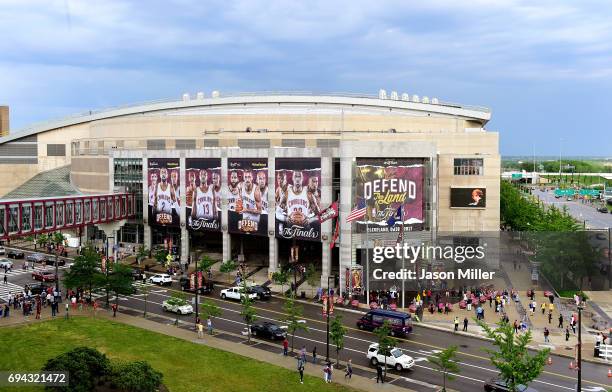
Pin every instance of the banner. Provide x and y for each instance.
(247, 196)
(475, 197)
(203, 193)
(164, 191)
(329, 213)
(298, 198)
(384, 185)
(354, 277)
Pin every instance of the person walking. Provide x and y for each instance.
(285, 346)
(349, 369)
(465, 324)
(114, 308)
(5, 278)
(515, 326)
(326, 373)
(560, 321)
(543, 308)
(300, 368)
(331, 371)
(379, 374)
(303, 353)
(546, 333)
(456, 324)
(549, 317)
(567, 334)
(200, 328)
(209, 325)
(314, 354)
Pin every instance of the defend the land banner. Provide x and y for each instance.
(298, 198)
(385, 184)
(247, 196)
(164, 191)
(203, 193)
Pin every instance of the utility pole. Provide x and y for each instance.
(329, 298)
(579, 385)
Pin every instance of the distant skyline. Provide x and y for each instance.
(544, 68)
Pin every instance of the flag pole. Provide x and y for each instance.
(367, 261)
(403, 260)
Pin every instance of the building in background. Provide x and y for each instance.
(4, 120)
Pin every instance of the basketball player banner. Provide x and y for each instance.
(247, 196)
(385, 184)
(298, 198)
(354, 280)
(203, 193)
(164, 191)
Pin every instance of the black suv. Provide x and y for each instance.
(137, 274)
(207, 286)
(261, 291)
(15, 254)
(38, 288)
(51, 261)
(268, 330)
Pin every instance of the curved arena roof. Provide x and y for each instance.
(266, 103)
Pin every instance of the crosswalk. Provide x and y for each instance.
(29, 271)
(153, 288)
(7, 288)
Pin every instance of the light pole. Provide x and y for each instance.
(579, 386)
(327, 320)
(106, 268)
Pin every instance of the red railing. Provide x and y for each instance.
(22, 217)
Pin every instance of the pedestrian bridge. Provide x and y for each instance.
(24, 217)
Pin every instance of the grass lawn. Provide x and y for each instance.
(186, 366)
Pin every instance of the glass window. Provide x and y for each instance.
(468, 166)
(87, 210)
(94, 208)
(123, 201)
(2, 215)
(49, 214)
(26, 217)
(110, 208)
(102, 209)
(78, 211)
(38, 216)
(117, 207)
(13, 218)
(59, 213)
(69, 213)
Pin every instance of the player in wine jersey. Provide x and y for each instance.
(164, 193)
(314, 195)
(190, 188)
(216, 184)
(174, 174)
(251, 198)
(152, 189)
(234, 187)
(281, 187)
(204, 199)
(263, 190)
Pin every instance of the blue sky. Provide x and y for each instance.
(543, 67)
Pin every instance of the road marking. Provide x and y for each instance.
(419, 382)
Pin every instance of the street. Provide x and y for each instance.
(474, 363)
(583, 213)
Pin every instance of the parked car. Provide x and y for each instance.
(570, 198)
(206, 288)
(497, 384)
(37, 258)
(43, 276)
(401, 323)
(15, 254)
(137, 274)
(182, 309)
(603, 210)
(38, 288)
(161, 279)
(261, 291)
(2, 250)
(236, 293)
(396, 358)
(60, 262)
(268, 330)
(6, 263)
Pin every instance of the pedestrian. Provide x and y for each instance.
(95, 307)
(465, 324)
(303, 353)
(456, 324)
(349, 369)
(209, 325)
(114, 308)
(567, 335)
(379, 374)
(5, 278)
(285, 346)
(300, 368)
(330, 366)
(200, 328)
(560, 321)
(543, 308)
(546, 333)
(549, 317)
(326, 373)
(314, 354)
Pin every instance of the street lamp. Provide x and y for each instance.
(327, 319)
(579, 386)
(106, 268)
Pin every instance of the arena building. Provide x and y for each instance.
(246, 176)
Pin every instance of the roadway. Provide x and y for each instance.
(474, 363)
(581, 212)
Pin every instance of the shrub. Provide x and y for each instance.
(85, 365)
(136, 376)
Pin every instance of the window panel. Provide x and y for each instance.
(38, 216)
(26, 218)
(13, 218)
(468, 166)
(69, 213)
(49, 213)
(59, 213)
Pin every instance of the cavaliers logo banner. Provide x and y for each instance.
(164, 191)
(203, 193)
(384, 185)
(298, 198)
(247, 196)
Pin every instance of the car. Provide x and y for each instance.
(43, 276)
(161, 279)
(15, 254)
(182, 309)
(401, 323)
(137, 274)
(6, 263)
(2, 250)
(570, 198)
(261, 291)
(38, 288)
(60, 262)
(37, 258)
(206, 288)
(268, 330)
(396, 358)
(236, 293)
(497, 384)
(603, 210)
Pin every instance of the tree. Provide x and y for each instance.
(446, 361)
(311, 278)
(248, 312)
(280, 277)
(85, 366)
(142, 253)
(178, 298)
(512, 358)
(385, 342)
(119, 280)
(85, 271)
(43, 240)
(228, 267)
(30, 238)
(337, 331)
(293, 317)
(210, 309)
(205, 263)
(160, 256)
(137, 376)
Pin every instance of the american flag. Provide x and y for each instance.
(358, 212)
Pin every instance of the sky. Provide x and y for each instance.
(544, 68)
